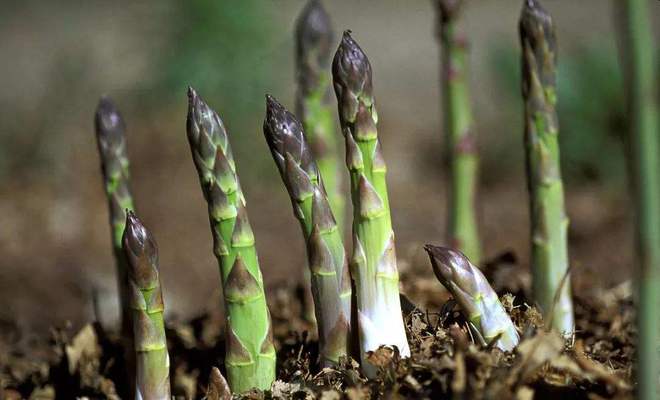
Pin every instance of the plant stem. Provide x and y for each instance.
(549, 223)
(460, 136)
(640, 68)
(474, 295)
(314, 37)
(111, 140)
(146, 302)
(330, 280)
(373, 263)
(250, 356)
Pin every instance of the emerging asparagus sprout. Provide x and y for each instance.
(111, 141)
(641, 73)
(373, 263)
(549, 224)
(250, 357)
(152, 376)
(459, 130)
(331, 284)
(476, 298)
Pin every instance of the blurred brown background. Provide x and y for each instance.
(59, 57)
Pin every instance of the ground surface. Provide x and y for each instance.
(595, 364)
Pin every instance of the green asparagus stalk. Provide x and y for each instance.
(330, 280)
(373, 263)
(111, 140)
(459, 130)
(314, 39)
(250, 357)
(146, 303)
(549, 223)
(474, 295)
(110, 136)
(640, 68)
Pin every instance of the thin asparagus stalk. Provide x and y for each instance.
(549, 223)
(477, 299)
(218, 388)
(314, 37)
(146, 303)
(331, 284)
(373, 263)
(110, 135)
(111, 140)
(459, 130)
(250, 357)
(639, 65)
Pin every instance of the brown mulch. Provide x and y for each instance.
(595, 364)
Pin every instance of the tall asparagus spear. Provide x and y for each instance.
(460, 136)
(549, 221)
(110, 131)
(474, 295)
(331, 284)
(250, 357)
(110, 136)
(314, 39)
(640, 68)
(146, 303)
(373, 263)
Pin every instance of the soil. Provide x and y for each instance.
(596, 363)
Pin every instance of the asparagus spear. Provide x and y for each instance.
(110, 131)
(146, 303)
(110, 136)
(460, 137)
(331, 285)
(373, 263)
(474, 295)
(314, 39)
(549, 222)
(639, 66)
(250, 357)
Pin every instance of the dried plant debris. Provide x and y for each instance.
(446, 361)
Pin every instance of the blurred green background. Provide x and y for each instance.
(59, 57)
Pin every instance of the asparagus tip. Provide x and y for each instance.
(535, 16)
(108, 120)
(279, 122)
(449, 9)
(445, 261)
(351, 66)
(313, 23)
(138, 244)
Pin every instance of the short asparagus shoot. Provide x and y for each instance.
(460, 137)
(250, 355)
(474, 295)
(328, 264)
(549, 223)
(373, 262)
(152, 375)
